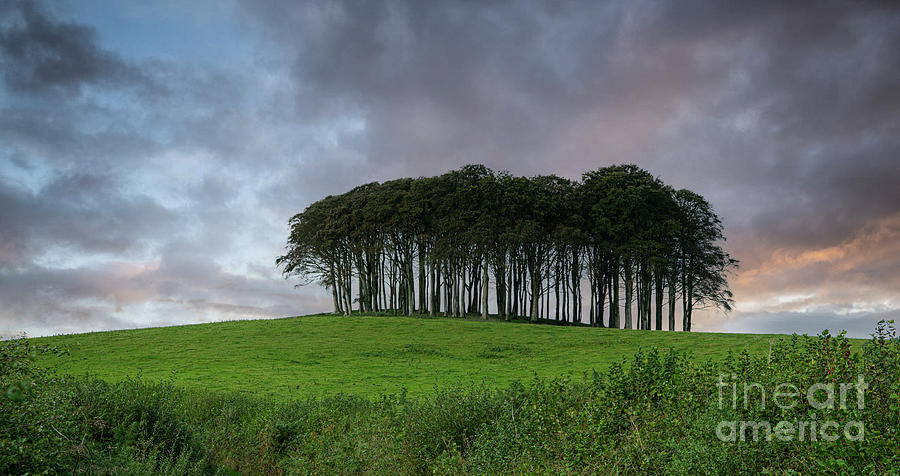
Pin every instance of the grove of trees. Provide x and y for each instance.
(617, 249)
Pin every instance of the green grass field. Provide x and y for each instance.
(366, 355)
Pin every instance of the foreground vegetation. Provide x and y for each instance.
(366, 355)
(655, 412)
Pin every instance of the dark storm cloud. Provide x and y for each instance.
(161, 186)
(793, 99)
(38, 52)
(118, 196)
(784, 114)
(83, 213)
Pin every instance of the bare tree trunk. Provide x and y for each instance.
(457, 291)
(348, 290)
(484, 289)
(598, 313)
(671, 303)
(614, 295)
(687, 298)
(411, 287)
(334, 299)
(636, 297)
(393, 286)
(500, 295)
(576, 288)
(629, 283)
(591, 317)
(688, 307)
(433, 292)
(659, 300)
(423, 307)
(546, 300)
(514, 289)
(556, 288)
(535, 294)
(507, 299)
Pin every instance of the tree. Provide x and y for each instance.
(431, 245)
(703, 263)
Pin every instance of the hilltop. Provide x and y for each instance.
(369, 355)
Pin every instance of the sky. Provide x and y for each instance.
(151, 153)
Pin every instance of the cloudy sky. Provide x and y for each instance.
(151, 153)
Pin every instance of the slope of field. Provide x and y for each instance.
(365, 355)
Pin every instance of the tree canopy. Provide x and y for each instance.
(619, 238)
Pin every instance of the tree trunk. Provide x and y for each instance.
(484, 289)
(629, 282)
(556, 288)
(659, 300)
(672, 302)
(535, 293)
(432, 294)
(686, 298)
(598, 313)
(614, 295)
(423, 307)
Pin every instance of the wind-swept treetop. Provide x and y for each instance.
(432, 244)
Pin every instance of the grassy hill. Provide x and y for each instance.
(368, 355)
(659, 413)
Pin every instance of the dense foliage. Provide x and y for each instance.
(655, 413)
(432, 245)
